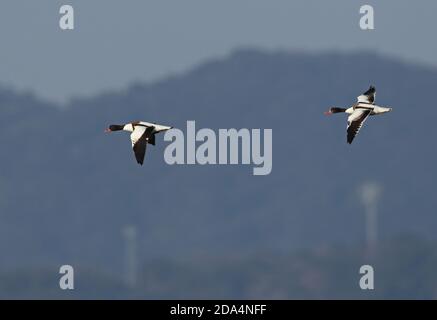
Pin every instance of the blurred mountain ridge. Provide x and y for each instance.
(67, 189)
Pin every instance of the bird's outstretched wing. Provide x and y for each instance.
(139, 138)
(368, 96)
(151, 139)
(354, 123)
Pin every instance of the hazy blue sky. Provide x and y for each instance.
(117, 42)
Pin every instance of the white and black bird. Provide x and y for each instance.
(359, 112)
(142, 133)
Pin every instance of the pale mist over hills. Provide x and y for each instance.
(67, 189)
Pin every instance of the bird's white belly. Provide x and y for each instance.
(379, 110)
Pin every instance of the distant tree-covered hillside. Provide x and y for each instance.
(67, 189)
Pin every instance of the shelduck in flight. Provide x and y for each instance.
(142, 133)
(359, 112)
